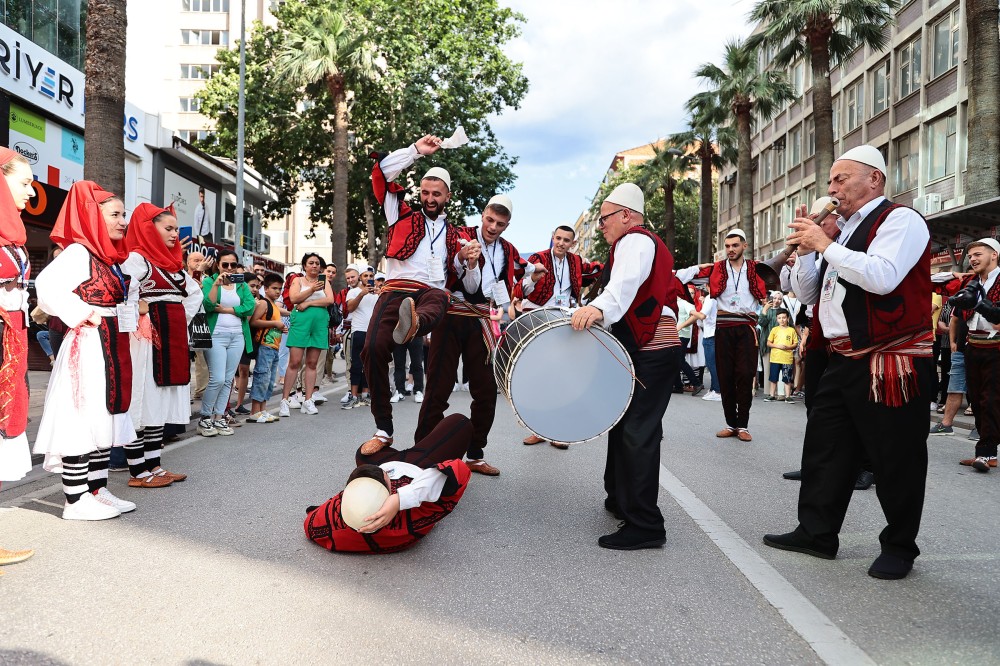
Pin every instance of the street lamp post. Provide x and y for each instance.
(241, 122)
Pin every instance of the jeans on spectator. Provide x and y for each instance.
(283, 352)
(265, 372)
(709, 345)
(222, 359)
(43, 340)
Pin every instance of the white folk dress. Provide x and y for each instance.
(15, 454)
(76, 420)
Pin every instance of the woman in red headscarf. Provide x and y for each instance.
(90, 389)
(161, 368)
(15, 458)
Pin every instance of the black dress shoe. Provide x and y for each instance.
(632, 538)
(797, 543)
(793, 476)
(890, 567)
(612, 507)
(865, 480)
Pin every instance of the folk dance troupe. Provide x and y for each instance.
(122, 372)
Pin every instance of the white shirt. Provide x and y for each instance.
(495, 260)
(562, 287)
(633, 263)
(362, 315)
(426, 484)
(434, 244)
(895, 250)
(202, 223)
(684, 310)
(230, 323)
(709, 309)
(977, 322)
(736, 297)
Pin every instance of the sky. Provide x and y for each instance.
(603, 77)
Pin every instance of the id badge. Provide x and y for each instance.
(829, 284)
(500, 294)
(734, 301)
(435, 269)
(562, 301)
(128, 317)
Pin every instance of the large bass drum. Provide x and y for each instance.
(564, 386)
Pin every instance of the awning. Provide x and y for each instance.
(954, 228)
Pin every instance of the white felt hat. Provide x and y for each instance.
(819, 205)
(440, 174)
(361, 498)
(736, 232)
(353, 267)
(628, 195)
(866, 155)
(988, 242)
(501, 200)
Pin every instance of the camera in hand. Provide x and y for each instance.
(967, 297)
(237, 277)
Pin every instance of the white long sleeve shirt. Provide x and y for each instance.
(977, 322)
(736, 297)
(895, 250)
(633, 262)
(426, 484)
(485, 276)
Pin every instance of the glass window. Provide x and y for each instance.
(205, 5)
(880, 88)
(855, 105)
(794, 146)
(904, 172)
(836, 120)
(764, 229)
(779, 160)
(777, 220)
(909, 68)
(946, 34)
(797, 77)
(810, 136)
(58, 26)
(190, 104)
(765, 163)
(941, 143)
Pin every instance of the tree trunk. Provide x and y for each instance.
(819, 56)
(338, 233)
(707, 192)
(983, 175)
(669, 219)
(374, 249)
(744, 175)
(104, 95)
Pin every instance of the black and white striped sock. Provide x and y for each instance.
(135, 456)
(97, 475)
(74, 477)
(153, 438)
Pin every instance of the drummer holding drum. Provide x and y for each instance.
(638, 304)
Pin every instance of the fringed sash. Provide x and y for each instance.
(894, 378)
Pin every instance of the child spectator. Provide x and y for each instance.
(782, 341)
(267, 327)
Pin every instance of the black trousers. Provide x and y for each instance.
(736, 359)
(459, 337)
(843, 427)
(447, 441)
(981, 367)
(632, 473)
(415, 347)
(945, 369)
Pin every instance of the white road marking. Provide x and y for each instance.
(831, 644)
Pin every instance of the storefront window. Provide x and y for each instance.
(58, 26)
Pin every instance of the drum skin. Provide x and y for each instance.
(564, 385)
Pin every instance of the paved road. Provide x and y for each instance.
(216, 570)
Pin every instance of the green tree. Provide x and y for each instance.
(668, 170)
(825, 32)
(983, 179)
(714, 142)
(749, 93)
(104, 94)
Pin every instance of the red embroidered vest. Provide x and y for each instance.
(718, 278)
(510, 274)
(581, 273)
(639, 323)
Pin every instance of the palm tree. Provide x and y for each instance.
(748, 93)
(104, 94)
(825, 32)
(330, 48)
(981, 17)
(714, 142)
(667, 170)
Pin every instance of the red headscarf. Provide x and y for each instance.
(144, 238)
(11, 227)
(80, 221)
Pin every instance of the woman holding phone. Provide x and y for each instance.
(308, 330)
(228, 306)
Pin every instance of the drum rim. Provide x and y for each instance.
(516, 353)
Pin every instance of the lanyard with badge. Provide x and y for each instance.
(831, 276)
(435, 267)
(562, 299)
(734, 300)
(499, 293)
(127, 313)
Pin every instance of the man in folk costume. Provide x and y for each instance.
(393, 499)
(558, 286)
(422, 248)
(639, 304)
(466, 332)
(978, 305)
(738, 289)
(871, 315)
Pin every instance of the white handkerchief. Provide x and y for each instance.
(457, 139)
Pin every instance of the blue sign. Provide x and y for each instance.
(72, 146)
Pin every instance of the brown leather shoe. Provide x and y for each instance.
(409, 322)
(560, 445)
(14, 556)
(151, 481)
(726, 432)
(533, 439)
(483, 467)
(375, 444)
(968, 462)
(173, 476)
(744, 436)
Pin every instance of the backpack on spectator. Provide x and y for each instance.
(286, 297)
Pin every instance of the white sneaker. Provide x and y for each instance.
(458, 387)
(318, 398)
(713, 396)
(934, 406)
(397, 397)
(104, 496)
(293, 401)
(346, 399)
(418, 396)
(206, 428)
(465, 386)
(222, 428)
(283, 410)
(89, 508)
(309, 407)
(351, 401)
(260, 417)
(408, 386)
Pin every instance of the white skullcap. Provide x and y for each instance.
(987, 242)
(440, 174)
(628, 195)
(819, 205)
(380, 276)
(501, 200)
(361, 498)
(736, 232)
(866, 155)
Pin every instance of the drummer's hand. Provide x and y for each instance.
(540, 270)
(383, 516)
(586, 317)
